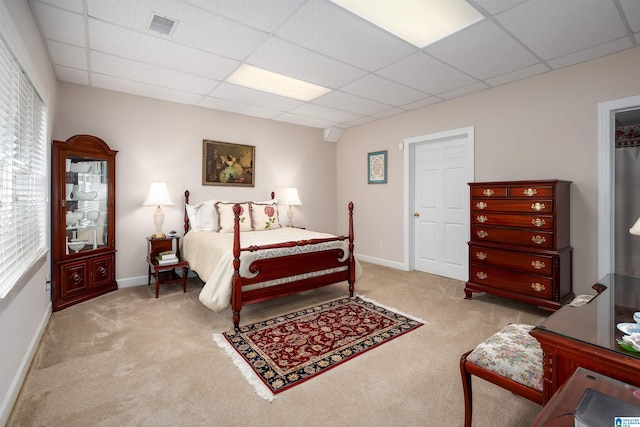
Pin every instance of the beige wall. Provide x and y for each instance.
(543, 127)
(162, 141)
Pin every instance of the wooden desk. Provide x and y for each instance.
(559, 411)
(585, 336)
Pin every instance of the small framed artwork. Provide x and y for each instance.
(377, 167)
(224, 163)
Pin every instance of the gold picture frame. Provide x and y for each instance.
(225, 163)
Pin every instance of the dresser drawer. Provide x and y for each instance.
(531, 191)
(535, 238)
(489, 191)
(543, 222)
(531, 262)
(513, 205)
(524, 283)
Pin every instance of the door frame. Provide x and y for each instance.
(409, 182)
(606, 181)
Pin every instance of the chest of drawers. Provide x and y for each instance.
(519, 247)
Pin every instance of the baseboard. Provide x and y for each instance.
(382, 262)
(12, 394)
(142, 280)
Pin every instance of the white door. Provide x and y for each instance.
(441, 206)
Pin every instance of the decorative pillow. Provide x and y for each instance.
(203, 216)
(225, 216)
(264, 216)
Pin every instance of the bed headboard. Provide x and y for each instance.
(187, 226)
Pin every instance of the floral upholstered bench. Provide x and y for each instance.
(511, 359)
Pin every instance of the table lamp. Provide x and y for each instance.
(158, 196)
(635, 230)
(290, 197)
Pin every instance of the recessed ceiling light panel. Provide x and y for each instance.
(278, 84)
(419, 22)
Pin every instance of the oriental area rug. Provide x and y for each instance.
(277, 354)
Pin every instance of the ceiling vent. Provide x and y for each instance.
(162, 24)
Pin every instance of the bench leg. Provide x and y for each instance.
(466, 389)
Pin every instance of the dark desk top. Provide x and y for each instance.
(617, 298)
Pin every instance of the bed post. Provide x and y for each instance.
(186, 217)
(352, 260)
(236, 282)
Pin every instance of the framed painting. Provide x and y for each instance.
(377, 167)
(224, 163)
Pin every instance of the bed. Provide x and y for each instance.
(245, 256)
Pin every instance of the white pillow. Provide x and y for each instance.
(225, 216)
(203, 216)
(264, 216)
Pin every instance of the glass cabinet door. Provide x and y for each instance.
(86, 199)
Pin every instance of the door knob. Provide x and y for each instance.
(416, 214)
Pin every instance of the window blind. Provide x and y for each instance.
(23, 172)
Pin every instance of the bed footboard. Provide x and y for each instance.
(289, 266)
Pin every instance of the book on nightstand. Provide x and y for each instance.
(166, 257)
(597, 409)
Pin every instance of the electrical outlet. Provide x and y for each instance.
(380, 247)
(47, 285)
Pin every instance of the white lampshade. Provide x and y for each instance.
(635, 230)
(158, 196)
(290, 197)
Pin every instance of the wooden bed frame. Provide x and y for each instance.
(285, 266)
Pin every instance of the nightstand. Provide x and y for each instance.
(165, 273)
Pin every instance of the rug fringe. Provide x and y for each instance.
(246, 370)
(373, 301)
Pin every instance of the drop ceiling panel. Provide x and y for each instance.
(483, 51)
(251, 96)
(462, 91)
(320, 112)
(61, 25)
(328, 29)
(594, 52)
(68, 55)
(237, 107)
(286, 58)
(420, 71)
(305, 121)
(141, 89)
(264, 15)
(194, 27)
(496, 6)
(382, 90)
(72, 75)
(348, 102)
(573, 25)
(71, 5)
(103, 63)
(631, 9)
(157, 51)
(525, 73)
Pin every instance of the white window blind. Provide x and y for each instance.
(23, 172)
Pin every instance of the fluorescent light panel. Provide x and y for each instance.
(278, 84)
(420, 22)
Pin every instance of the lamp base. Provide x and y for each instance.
(158, 236)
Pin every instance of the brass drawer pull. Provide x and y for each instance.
(481, 255)
(538, 265)
(102, 271)
(538, 287)
(76, 277)
(488, 192)
(481, 219)
(538, 222)
(481, 275)
(538, 240)
(482, 234)
(481, 205)
(537, 206)
(530, 192)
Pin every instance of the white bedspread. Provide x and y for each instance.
(210, 254)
